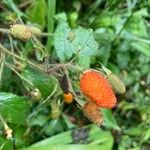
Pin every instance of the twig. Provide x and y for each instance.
(18, 57)
(11, 45)
(62, 66)
(8, 131)
(2, 65)
(4, 31)
(22, 77)
(26, 3)
(46, 34)
(34, 65)
(58, 67)
(80, 102)
(54, 90)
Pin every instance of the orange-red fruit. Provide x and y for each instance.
(91, 111)
(94, 86)
(68, 98)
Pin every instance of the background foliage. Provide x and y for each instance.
(121, 29)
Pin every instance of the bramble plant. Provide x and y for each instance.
(41, 82)
(62, 71)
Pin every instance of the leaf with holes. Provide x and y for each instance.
(84, 43)
(78, 41)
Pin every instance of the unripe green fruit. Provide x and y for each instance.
(36, 94)
(55, 111)
(35, 31)
(117, 85)
(21, 32)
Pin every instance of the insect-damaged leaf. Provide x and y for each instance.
(78, 41)
(84, 43)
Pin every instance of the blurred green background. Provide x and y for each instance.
(122, 30)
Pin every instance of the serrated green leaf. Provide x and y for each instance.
(13, 108)
(84, 43)
(47, 84)
(78, 41)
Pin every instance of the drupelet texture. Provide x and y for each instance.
(95, 87)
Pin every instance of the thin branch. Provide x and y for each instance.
(46, 34)
(63, 66)
(79, 101)
(26, 3)
(22, 77)
(2, 65)
(11, 45)
(54, 90)
(18, 57)
(8, 131)
(4, 31)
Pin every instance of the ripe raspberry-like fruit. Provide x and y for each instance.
(91, 111)
(68, 98)
(95, 87)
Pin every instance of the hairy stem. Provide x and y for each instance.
(80, 102)
(2, 65)
(16, 72)
(18, 57)
(4, 31)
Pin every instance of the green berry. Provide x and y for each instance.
(36, 31)
(21, 32)
(117, 85)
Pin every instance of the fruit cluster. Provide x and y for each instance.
(98, 89)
